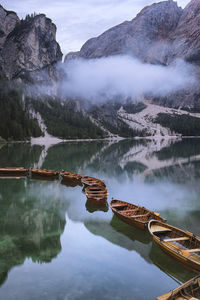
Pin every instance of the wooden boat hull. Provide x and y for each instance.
(96, 194)
(174, 248)
(90, 181)
(128, 221)
(178, 257)
(190, 289)
(133, 219)
(71, 177)
(44, 173)
(13, 172)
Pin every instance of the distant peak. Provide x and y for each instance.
(162, 6)
(193, 3)
(8, 12)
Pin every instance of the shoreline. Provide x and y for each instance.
(54, 140)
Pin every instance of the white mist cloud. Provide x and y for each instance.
(123, 76)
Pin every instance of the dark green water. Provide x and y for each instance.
(56, 245)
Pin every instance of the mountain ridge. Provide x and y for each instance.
(159, 34)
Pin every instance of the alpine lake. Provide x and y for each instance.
(54, 244)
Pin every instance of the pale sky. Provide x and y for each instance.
(79, 20)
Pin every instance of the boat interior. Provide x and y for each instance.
(185, 244)
(96, 189)
(137, 212)
(191, 291)
(91, 180)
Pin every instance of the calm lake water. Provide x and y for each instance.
(55, 245)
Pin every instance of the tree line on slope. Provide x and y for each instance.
(62, 121)
(16, 123)
(184, 124)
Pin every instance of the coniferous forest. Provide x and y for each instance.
(62, 121)
(183, 124)
(16, 123)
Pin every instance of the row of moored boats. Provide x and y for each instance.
(181, 245)
(94, 188)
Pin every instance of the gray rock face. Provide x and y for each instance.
(160, 34)
(31, 46)
(139, 37)
(8, 21)
(185, 40)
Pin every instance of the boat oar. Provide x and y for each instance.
(185, 253)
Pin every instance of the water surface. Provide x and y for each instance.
(55, 245)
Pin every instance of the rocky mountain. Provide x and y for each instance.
(27, 45)
(159, 34)
(140, 37)
(8, 21)
(185, 39)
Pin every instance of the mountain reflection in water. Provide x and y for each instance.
(161, 175)
(30, 225)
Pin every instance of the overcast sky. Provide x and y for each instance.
(79, 20)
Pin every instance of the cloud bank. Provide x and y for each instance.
(123, 77)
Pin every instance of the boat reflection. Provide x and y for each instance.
(123, 235)
(168, 265)
(90, 207)
(70, 183)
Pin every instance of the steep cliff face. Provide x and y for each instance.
(8, 21)
(185, 40)
(139, 37)
(160, 33)
(31, 46)
(28, 51)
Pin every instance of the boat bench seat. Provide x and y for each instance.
(130, 210)
(183, 238)
(96, 193)
(157, 228)
(143, 215)
(193, 250)
(118, 205)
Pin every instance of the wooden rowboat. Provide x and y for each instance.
(132, 214)
(69, 176)
(44, 173)
(13, 171)
(97, 194)
(90, 181)
(189, 290)
(180, 244)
